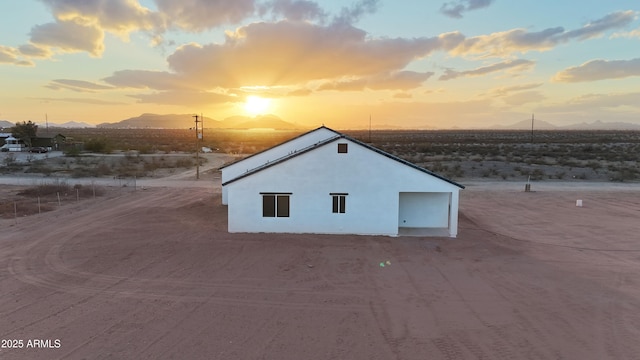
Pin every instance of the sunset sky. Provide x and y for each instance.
(438, 63)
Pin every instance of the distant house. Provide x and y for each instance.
(327, 182)
(3, 137)
(50, 141)
(12, 144)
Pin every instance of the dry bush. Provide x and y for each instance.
(62, 188)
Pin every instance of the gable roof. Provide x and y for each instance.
(331, 140)
(280, 144)
(50, 136)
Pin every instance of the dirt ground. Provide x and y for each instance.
(153, 274)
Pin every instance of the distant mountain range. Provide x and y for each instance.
(185, 121)
(6, 124)
(543, 125)
(70, 124)
(182, 121)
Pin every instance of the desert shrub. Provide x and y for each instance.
(145, 149)
(437, 167)
(11, 164)
(47, 189)
(152, 165)
(39, 167)
(595, 165)
(99, 145)
(10, 160)
(88, 191)
(80, 172)
(455, 171)
(185, 163)
(72, 152)
(625, 175)
(102, 169)
(537, 174)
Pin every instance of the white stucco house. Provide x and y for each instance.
(13, 144)
(329, 183)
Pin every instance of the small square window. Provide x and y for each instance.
(342, 148)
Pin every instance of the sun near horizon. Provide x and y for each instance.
(472, 64)
(257, 105)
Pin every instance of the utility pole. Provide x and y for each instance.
(532, 128)
(197, 149)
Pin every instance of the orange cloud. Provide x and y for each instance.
(118, 16)
(149, 79)
(506, 90)
(291, 53)
(8, 55)
(199, 15)
(591, 102)
(186, 98)
(76, 85)
(504, 43)
(35, 51)
(69, 36)
(595, 70)
(509, 65)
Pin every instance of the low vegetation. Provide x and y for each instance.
(507, 155)
(457, 154)
(17, 202)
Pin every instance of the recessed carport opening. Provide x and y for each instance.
(424, 214)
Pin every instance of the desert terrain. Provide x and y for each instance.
(151, 272)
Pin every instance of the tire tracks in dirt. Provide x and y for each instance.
(47, 253)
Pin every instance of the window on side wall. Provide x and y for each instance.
(339, 202)
(275, 204)
(343, 148)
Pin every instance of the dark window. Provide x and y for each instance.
(282, 205)
(275, 205)
(268, 206)
(342, 148)
(339, 203)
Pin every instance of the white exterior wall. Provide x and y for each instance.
(277, 152)
(373, 183)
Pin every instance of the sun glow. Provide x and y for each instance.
(256, 105)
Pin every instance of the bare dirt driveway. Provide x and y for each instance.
(154, 274)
